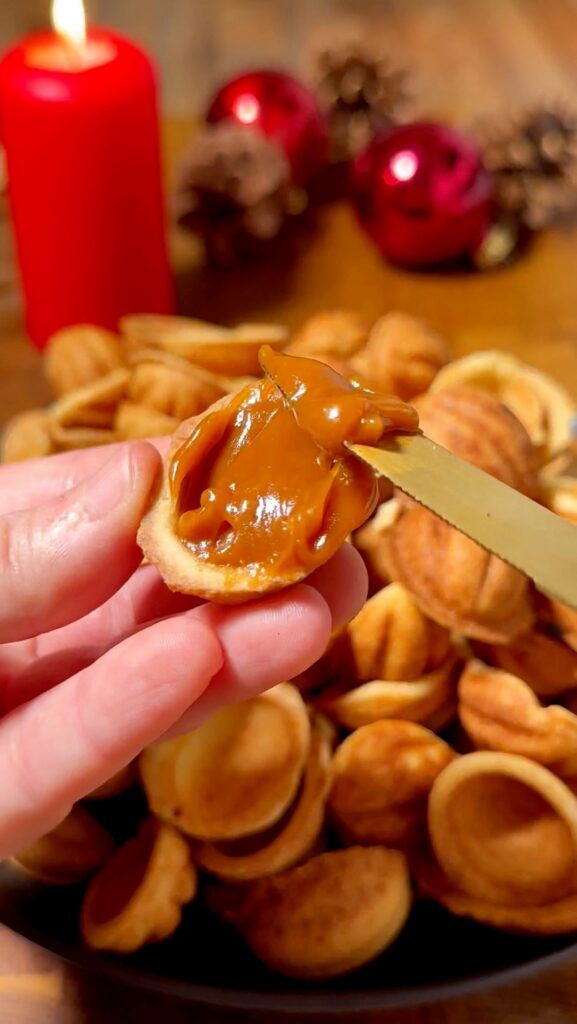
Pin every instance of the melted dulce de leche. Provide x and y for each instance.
(265, 482)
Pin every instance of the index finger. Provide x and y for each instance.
(31, 483)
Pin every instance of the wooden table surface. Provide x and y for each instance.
(499, 52)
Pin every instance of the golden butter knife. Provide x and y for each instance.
(505, 522)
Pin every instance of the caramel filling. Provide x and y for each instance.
(266, 483)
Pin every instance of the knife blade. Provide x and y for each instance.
(508, 524)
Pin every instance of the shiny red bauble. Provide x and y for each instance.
(282, 109)
(423, 195)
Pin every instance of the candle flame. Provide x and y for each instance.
(69, 20)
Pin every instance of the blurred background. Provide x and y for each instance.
(467, 62)
(467, 56)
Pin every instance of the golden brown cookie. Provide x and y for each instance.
(329, 916)
(564, 620)
(237, 774)
(504, 829)
(69, 853)
(382, 775)
(290, 840)
(138, 895)
(546, 663)
(553, 918)
(27, 436)
(337, 334)
(92, 405)
(540, 402)
(133, 421)
(371, 541)
(414, 701)
(175, 391)
(479, 428)
(500, 712)
(391, 639)
(456, 582)
(232, 351)
(402, 355)
(79, 355)
(66, 439)
(559, 493)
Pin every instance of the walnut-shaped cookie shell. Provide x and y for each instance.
(335, 334)
(328, 916)
(371, 541)
(235, 775)
(68, 439)
(456, 582)
(92, 405)
(477, 427)
(382, 775)
(554, 918)
(544, 662)
(559, 493)
(68, 854)
(564, 621)
(228, 350)
(539, 401)
(414, 701)
(290, 840)
(504, 829)
(500, 712)
(27, 436)
(390, 638)
(138, 895)
(133, 421)
(79, 355)
(402, 355)
(175, 391)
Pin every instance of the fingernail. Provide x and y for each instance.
(107, 488)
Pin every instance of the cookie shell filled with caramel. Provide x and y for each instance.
(261, 490)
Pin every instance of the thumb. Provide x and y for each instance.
(62, 559)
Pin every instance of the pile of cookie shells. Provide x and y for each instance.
(431, 753)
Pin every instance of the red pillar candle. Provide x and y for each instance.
(80, 129)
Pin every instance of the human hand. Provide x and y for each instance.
(97, 657)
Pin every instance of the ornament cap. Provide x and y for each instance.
(497, 246)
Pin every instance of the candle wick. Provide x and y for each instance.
(76, 54)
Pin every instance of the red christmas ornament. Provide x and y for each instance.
(284, 110)
(423, 195)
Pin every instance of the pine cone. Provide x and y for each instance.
(534, 160)
(234, 191)
(359, 92)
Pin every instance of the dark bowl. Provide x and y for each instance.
(436, 957)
